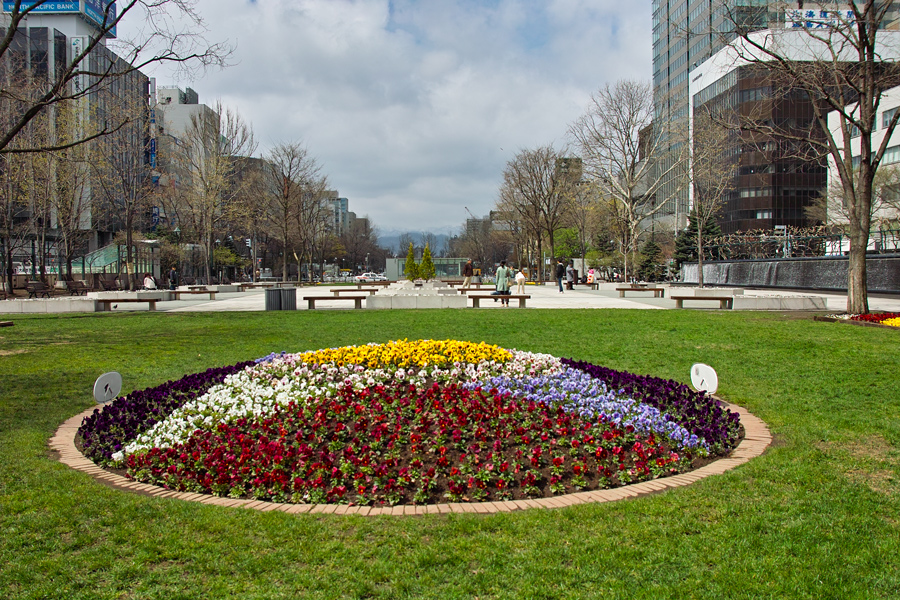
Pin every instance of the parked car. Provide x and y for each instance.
(364, 277)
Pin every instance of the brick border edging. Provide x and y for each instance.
(756, 438)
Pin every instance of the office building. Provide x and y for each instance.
(47, 40)
(695, 69)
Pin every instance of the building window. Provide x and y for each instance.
(886, 117)
(756, 192)
(764, 214)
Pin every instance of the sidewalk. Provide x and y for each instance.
(542, 296)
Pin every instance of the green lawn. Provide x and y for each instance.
(817, 516)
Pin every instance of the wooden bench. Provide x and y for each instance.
(177, 293)
(724, 301)
(106, 303)
(361, 284)
(477, 298)
(657, 292)
(352, 290)
(77, 287)
(311, 300)
(36, 289)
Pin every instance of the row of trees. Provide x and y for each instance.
(597, 195)
(631, 167)
(73, 157)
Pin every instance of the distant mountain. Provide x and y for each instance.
(391, 240)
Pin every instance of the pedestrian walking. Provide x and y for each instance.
(502, 280)
(560, 273)
(520, 282)
(570, 275)
(468, 271)
(173, 278)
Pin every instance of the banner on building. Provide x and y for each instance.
(817, 18)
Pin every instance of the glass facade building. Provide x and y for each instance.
(685, 34)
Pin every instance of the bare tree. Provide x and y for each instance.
(14, 211)
(211, 153)
(311, 222)
(290, 173)
(636, 163)
(359, 241)
(123, 177)
(172, 34)
(537, 188)
(843, 67)
(713, 171)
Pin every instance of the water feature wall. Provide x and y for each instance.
(823, 273)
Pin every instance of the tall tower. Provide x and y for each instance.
(686, 33)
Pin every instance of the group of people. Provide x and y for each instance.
(567, 271)
(505, 276)
(503, 280)
(150, 281)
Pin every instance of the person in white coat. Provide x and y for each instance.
(520, 282)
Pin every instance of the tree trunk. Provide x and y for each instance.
(540, 261)
(699, 255)
(129, 243)
(860, 223)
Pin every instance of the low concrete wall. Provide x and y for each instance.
(161, 295)
(823, 273)
(778, 303)
(48, 305)
(415, 301)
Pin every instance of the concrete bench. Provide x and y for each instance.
(657, 292)
(724, 301)
(311, 300)
(106, 303)
(352, 290)
(177, 293)
(477, 298)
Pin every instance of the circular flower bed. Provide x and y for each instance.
(408, 422)
(890, 319)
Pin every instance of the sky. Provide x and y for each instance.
(414, 107)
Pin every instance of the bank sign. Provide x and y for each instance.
(93, 10)
(817, 18)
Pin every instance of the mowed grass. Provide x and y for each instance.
(817, 516)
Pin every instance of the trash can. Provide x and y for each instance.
(289, 298)
(281, 299)
(273, 298)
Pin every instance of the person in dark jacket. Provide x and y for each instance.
(468, 271)
(560, 273)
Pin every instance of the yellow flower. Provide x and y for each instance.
(403, 353)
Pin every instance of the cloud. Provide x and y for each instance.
(413, 107)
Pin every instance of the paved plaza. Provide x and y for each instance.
(542, 296)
